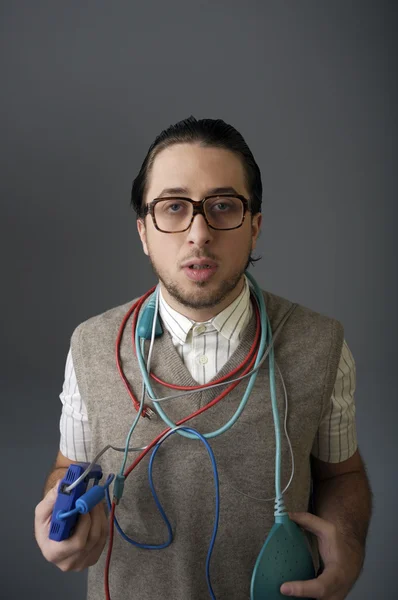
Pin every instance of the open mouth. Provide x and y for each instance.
(197, 267)
(200, 272)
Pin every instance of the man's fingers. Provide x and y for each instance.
(45, 508)
(98, 524)
(43, 512)
(58, 552)
(312, 523)
(78, 539)
(302, 589)
(322, 587)
(96, 539)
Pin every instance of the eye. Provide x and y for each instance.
(221, 205)
(173, 206)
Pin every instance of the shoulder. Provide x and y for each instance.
(106, 323)
(304, 322)
(277, 306)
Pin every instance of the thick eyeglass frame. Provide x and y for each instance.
(198, 209)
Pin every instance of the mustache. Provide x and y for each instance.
(199, 255)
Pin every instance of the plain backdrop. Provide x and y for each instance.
(85, 88)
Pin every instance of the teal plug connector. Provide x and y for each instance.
(146, 321)
(118, 488)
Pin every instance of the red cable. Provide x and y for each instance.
(137, 306)
(109, 553)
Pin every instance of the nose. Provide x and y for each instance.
(199, 234)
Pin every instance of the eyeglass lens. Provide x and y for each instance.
(175, 214)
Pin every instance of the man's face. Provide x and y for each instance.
(198, 170)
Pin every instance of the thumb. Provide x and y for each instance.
(323, 586)
(45, 507)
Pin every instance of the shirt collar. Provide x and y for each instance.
(228, 322)
(177, 324)
(232, 319)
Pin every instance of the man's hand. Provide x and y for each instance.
(85, 545)
(342, 559)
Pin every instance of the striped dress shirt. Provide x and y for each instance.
(205, 348)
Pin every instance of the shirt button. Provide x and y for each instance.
(200, 329)
(203, 360)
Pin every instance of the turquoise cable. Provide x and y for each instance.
(230, 423)
(280, 508)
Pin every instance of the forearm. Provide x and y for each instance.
(346, 501)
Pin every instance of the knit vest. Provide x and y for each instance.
(307, 352)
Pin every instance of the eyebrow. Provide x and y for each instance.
(210, 192)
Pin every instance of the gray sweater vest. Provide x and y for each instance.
(307, 351)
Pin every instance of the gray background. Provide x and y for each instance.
(85, 88)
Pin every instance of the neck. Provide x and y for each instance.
(199, 315)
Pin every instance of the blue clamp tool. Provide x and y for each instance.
(69, 504)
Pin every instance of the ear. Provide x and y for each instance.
(142, 233)
(256, 225)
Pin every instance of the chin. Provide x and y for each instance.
(199, 295)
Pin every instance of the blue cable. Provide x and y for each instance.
(64, 515)
(138, 544)
(163, 514)
(217, 490)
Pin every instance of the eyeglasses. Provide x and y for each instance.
(174, 215)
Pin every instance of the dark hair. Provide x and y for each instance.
(207, 132)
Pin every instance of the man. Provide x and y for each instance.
(198, 203)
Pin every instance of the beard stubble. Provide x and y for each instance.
(198, 301)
